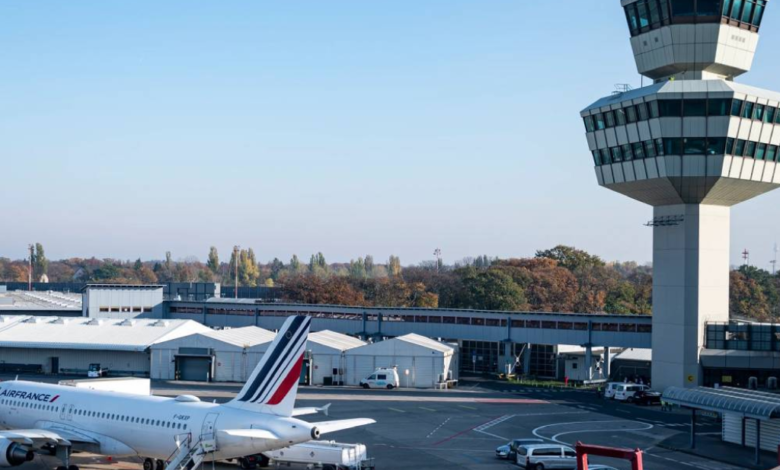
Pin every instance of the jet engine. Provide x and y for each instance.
(13, 454)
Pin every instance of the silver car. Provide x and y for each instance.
(546, 456)
(508, 450)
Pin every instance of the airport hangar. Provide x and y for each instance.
(479, 341)
(486, 341)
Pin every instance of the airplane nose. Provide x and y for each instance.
(315, 433)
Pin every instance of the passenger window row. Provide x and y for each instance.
(682, 108)
(30, 405)
(97, 414)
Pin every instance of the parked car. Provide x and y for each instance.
(646, 398)
(624, 392)
(385, 377)
(546, 456)
(508, 450)
(610, 388)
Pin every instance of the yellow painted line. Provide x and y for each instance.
(397, 410)
(467, 407)
(427, 409)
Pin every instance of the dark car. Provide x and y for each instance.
(646, 398)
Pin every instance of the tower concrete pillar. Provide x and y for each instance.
(605, 369)
(690, 287)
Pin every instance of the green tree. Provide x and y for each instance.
(491, 290)
(570, 258)
(369, 264)
(138, 265)
(357, 269)
(276, 268)
(295, 264)
(39, 261)
(394, 266)
(213, 260)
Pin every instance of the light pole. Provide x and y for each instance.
(437, 254)
(30, 268)
(236, 250)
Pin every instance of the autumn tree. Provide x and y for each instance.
(394, 266)
(213, 260)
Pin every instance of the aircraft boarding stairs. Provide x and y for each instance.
(188, 456)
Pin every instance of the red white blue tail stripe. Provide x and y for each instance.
(277, 374)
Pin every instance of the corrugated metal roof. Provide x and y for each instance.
(335, 340)
(634, 354)
(748, 403)
(94, 334)
(425, 342)
(247, 336)
(685, 86)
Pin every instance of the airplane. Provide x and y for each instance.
(180, 432)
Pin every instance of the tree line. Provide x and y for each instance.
(560, 279)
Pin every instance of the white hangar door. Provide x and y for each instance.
(425, 371)
(364, 366)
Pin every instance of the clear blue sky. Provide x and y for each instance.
(129, 128)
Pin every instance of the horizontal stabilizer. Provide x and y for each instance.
(251, 433)
(311, 410)
(326, 427)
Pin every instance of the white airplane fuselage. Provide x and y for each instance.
(147, 426)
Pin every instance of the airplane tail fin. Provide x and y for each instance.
(273, 385)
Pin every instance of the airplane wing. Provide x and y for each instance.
(311, 410)
(326, 427)
(40, 437)
(251, 433)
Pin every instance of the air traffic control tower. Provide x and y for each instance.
(692, 145)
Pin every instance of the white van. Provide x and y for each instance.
(384, 377)
(625, 392)
(610, 388)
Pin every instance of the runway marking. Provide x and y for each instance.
(483, 429)
(536, 432)
(427, 409)
(465, 431)
(397, 410)
(439, 427)
(468, 407)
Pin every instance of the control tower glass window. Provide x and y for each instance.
(683, 8)
(646, 15)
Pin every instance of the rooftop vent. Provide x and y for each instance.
(95, 322)
(160, 323)
(127, 322)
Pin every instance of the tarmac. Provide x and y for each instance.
(460, 428)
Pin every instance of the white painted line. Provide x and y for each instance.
(536, 432)
(439, 427)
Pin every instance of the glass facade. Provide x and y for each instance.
(682, 108)
(646, 15)
(665, 108)
(686, 146)
(743, 336)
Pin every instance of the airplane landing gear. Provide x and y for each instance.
(63, 453)
(149, 464)
(160, 465)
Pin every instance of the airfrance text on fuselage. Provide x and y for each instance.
(29, 395)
